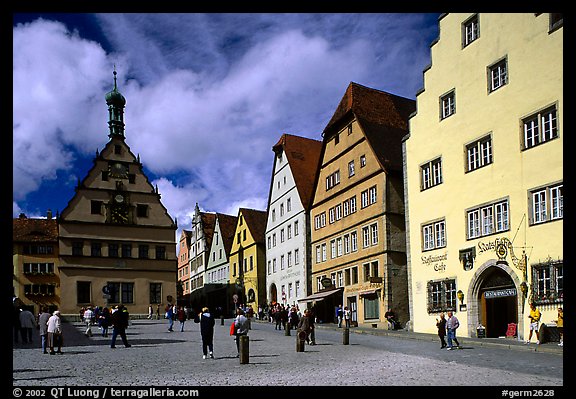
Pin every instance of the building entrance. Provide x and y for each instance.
(498, 300)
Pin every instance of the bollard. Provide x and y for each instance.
(300, 340)
(287, 330)
(244, 349)
(222, 320)
(346, 336)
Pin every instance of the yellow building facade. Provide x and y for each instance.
(248, 259)
(483, 167)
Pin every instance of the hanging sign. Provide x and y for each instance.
(500, 293)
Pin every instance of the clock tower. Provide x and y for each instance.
(115, 232)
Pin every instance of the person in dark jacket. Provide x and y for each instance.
(206, 321)
(441, 325)
(119, 321)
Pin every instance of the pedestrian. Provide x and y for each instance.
(104, 321)
(312, 327)
(534, 317)
(293, 317)
(27, 325)
(88, 315)
(391, 317)
(283, 316)
(452, 325)
(15, 323)
(206, 321)
(43, 328)
(119, 321)
(441, 325)
(158, 312)
(339, 315)
(240, 328)
(560, 326)
(347, 316)
(150, 312)
(170, 316)
(55, 337)
(181, 316)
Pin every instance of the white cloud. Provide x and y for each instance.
(208, 95)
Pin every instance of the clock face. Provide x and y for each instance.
(119, 215)
(118, 170)
(119, 198)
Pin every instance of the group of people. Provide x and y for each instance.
(343, 314)
(447, 327)
(49, 326)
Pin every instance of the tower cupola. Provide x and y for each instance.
(116, 103)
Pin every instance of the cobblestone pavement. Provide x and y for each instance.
(161, 358)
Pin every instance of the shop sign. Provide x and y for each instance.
(438, 262)
(500, 293)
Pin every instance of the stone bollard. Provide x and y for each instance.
(346, 336)
(222, 320)
(244, 349)
(287, 330)
(300, 340)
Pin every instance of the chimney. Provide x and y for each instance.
(49, 214)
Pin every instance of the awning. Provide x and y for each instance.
(368, 292)
(321, 295)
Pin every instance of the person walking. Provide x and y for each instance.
(88, 315)
(170, 316)
(441, 325)
(43, 328)
(150, 312)
(207, 322)
(104, 321)
(54, 329)
(347, 316)
(27, 325)
(181, 316)
(452, 325)
(534, 317)
(240, 328)
(339, 315)
(304, 324)
(158, 312)
(119, 321)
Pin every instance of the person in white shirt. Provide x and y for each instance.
(55, 332)
(88, 316)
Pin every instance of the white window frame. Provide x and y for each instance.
(479, 153)
(540, 127)
(470, 30)
(488, 219)
(431, 174)
(498, 75)
(448, 104)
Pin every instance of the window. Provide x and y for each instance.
(288, 205)
(318, 254)
(332, 249)
(281, 209)
(296, 256)
(296, 232)
(447, 105)
(339, 246)
(351, 169)
(366, 268)
(346, 244)
(126, 250)
(274, 265)
(540, 127)
(548, 284)
(131, 178)
(371, 306)
(155, 292)
(354, 276)
(113, 250)
(289, 231)
(320, 221)
(83, 289)
(118, 149)
(434, 235)
(347, 277)
(340, 278)
(470, 30)
(367, 197)
(161, 252)
(352, 204)
(104, 175)
(441, 295)
(498, 75)
(365, 237)
(77, 248)
(323, 252)
(338, 211)
(488, 219)
(479, 153)
(142, 210)
(297, 284)
(121, 292)
(431, 173)
(269, 267)
(354, 241)
(282, 236)
(362, 161)
(143, 251)
(96, 207)
(332, 180)
(96, 249)
(374, 233)
(349, 129)
(547, 204)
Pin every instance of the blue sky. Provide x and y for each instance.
(208, 95)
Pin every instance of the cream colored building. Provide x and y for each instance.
(357, 215)
(117, 242)
(483, 168)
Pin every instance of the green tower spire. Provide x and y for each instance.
(116, 103)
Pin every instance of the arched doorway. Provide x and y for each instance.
(273, 293)
(495, 290)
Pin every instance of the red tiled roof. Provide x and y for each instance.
(34, 230)
(256, 222)
(303, 156)
(382, 116)
(227, 225)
